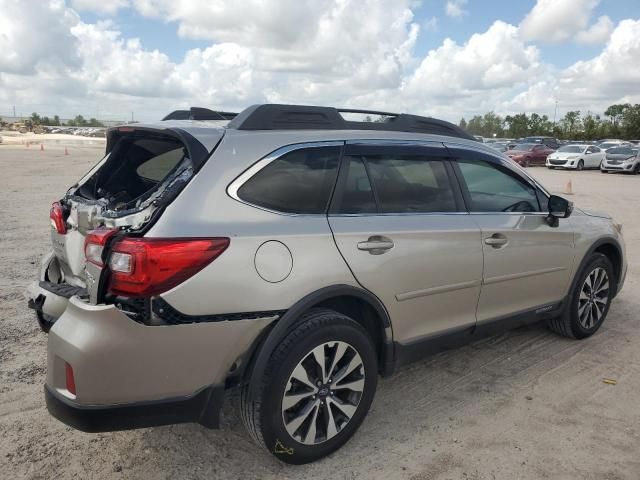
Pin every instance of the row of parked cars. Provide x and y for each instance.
(84, 131)
(609, 155)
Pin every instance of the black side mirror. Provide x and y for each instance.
(558, 208)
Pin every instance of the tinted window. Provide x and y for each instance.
(410, 184)
(571, 149)
(357, 196)
(159, 167)
(524, 147)
(495, 190)
(298, 182)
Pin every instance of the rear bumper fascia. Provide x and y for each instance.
(203, 408)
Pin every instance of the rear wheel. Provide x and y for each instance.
(317, 388)
(589, 300)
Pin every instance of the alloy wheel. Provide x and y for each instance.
(593, 298)
(323, 392)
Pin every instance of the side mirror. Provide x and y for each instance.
(558, 208)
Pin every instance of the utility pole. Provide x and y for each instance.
(131, 117)
(14, 112)
(555, 111)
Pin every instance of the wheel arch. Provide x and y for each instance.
(610, 248)
(357, 303)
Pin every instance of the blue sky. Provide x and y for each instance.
(441, 57)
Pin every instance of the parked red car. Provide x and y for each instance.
(526, 154)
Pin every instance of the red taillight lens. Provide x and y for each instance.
(143, 267)
(94, 244)
(69, 379)
(56, 215)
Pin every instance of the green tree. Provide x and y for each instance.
(35, 118)
(463, 124)
(517, 125)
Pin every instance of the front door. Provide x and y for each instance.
(398, 220)
(527, 263)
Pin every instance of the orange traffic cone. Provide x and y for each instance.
(568, 190)
(66, 152)
(42, 147)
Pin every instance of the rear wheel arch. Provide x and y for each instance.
(356, 303)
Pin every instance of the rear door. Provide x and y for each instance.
(397, 218)
(593, 157)
(526, 262)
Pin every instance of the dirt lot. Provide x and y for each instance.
(526, 404)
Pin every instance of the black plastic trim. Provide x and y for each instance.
(456, 337)
(203, 407)
(171, 315)
(292, 315)
(308, 117)
(599, 243)
(199, 113)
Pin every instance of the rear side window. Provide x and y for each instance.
(492, 189)
(300, 181)
(397, 184)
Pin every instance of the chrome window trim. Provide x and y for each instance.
(234, 186)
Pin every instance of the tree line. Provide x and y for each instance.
(620, 121)
(78, 121)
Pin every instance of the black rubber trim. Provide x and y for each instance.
(292, 315)
(171, 315)
(203, 408)
(458, 336)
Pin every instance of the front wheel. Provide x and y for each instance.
(317, 389)
(589, 300)
(580, 166)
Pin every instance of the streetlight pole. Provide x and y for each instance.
(555, 111)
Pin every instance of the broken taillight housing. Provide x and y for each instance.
(56, 215)
(94, 244)
(142, 267)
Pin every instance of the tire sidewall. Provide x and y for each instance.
(275, 435)
(597, 260)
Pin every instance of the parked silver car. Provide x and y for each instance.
(298, 255)
(576, 156)
(622, 159)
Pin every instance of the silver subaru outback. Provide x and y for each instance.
(297, 254)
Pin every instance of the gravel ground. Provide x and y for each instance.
(526, 404)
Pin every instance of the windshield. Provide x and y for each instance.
(524, 147)
(571, 149)
(607, 145)
(623, 151)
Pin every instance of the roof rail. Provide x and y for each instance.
(303, 117)
(198, 113)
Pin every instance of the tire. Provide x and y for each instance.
(580, 165)
(526, 163)
(551, 168)
(603, 171)
(325, 331)
(576, 321)
(636, 169)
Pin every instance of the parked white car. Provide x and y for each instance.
(622, 159)
(577, 156)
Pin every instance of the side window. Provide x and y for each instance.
(410, 184)
(492, 189)
(156, 168)
(357, 195)
(300, 181)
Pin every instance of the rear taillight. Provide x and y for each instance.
(70, 381)
(94, 244)
(56, 215)
(143, 267)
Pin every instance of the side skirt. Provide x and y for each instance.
(417, 349)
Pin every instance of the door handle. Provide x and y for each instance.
(496, 240)
(376, 245)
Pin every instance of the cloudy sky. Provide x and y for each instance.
(445, 58)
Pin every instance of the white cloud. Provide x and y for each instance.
(597, 33)
(455, 8)
(430, 24)
(555, 21)
(32, 37)
(101, 7)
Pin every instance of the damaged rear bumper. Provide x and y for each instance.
(50, 300)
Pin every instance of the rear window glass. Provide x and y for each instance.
(410, 184)
(300, 181)
(134, 168)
